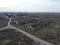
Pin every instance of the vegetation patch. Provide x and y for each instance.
(46, 27)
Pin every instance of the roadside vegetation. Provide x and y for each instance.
(3, 21)
(13, 37)
(43, 26)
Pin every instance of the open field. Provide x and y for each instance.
(13, 37)
(8, 35)
(3, 21)
(46, 27)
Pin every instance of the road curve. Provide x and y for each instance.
(9, 21)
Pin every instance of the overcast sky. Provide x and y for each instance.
(30, 5)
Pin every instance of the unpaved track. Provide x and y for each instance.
(38, 40)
